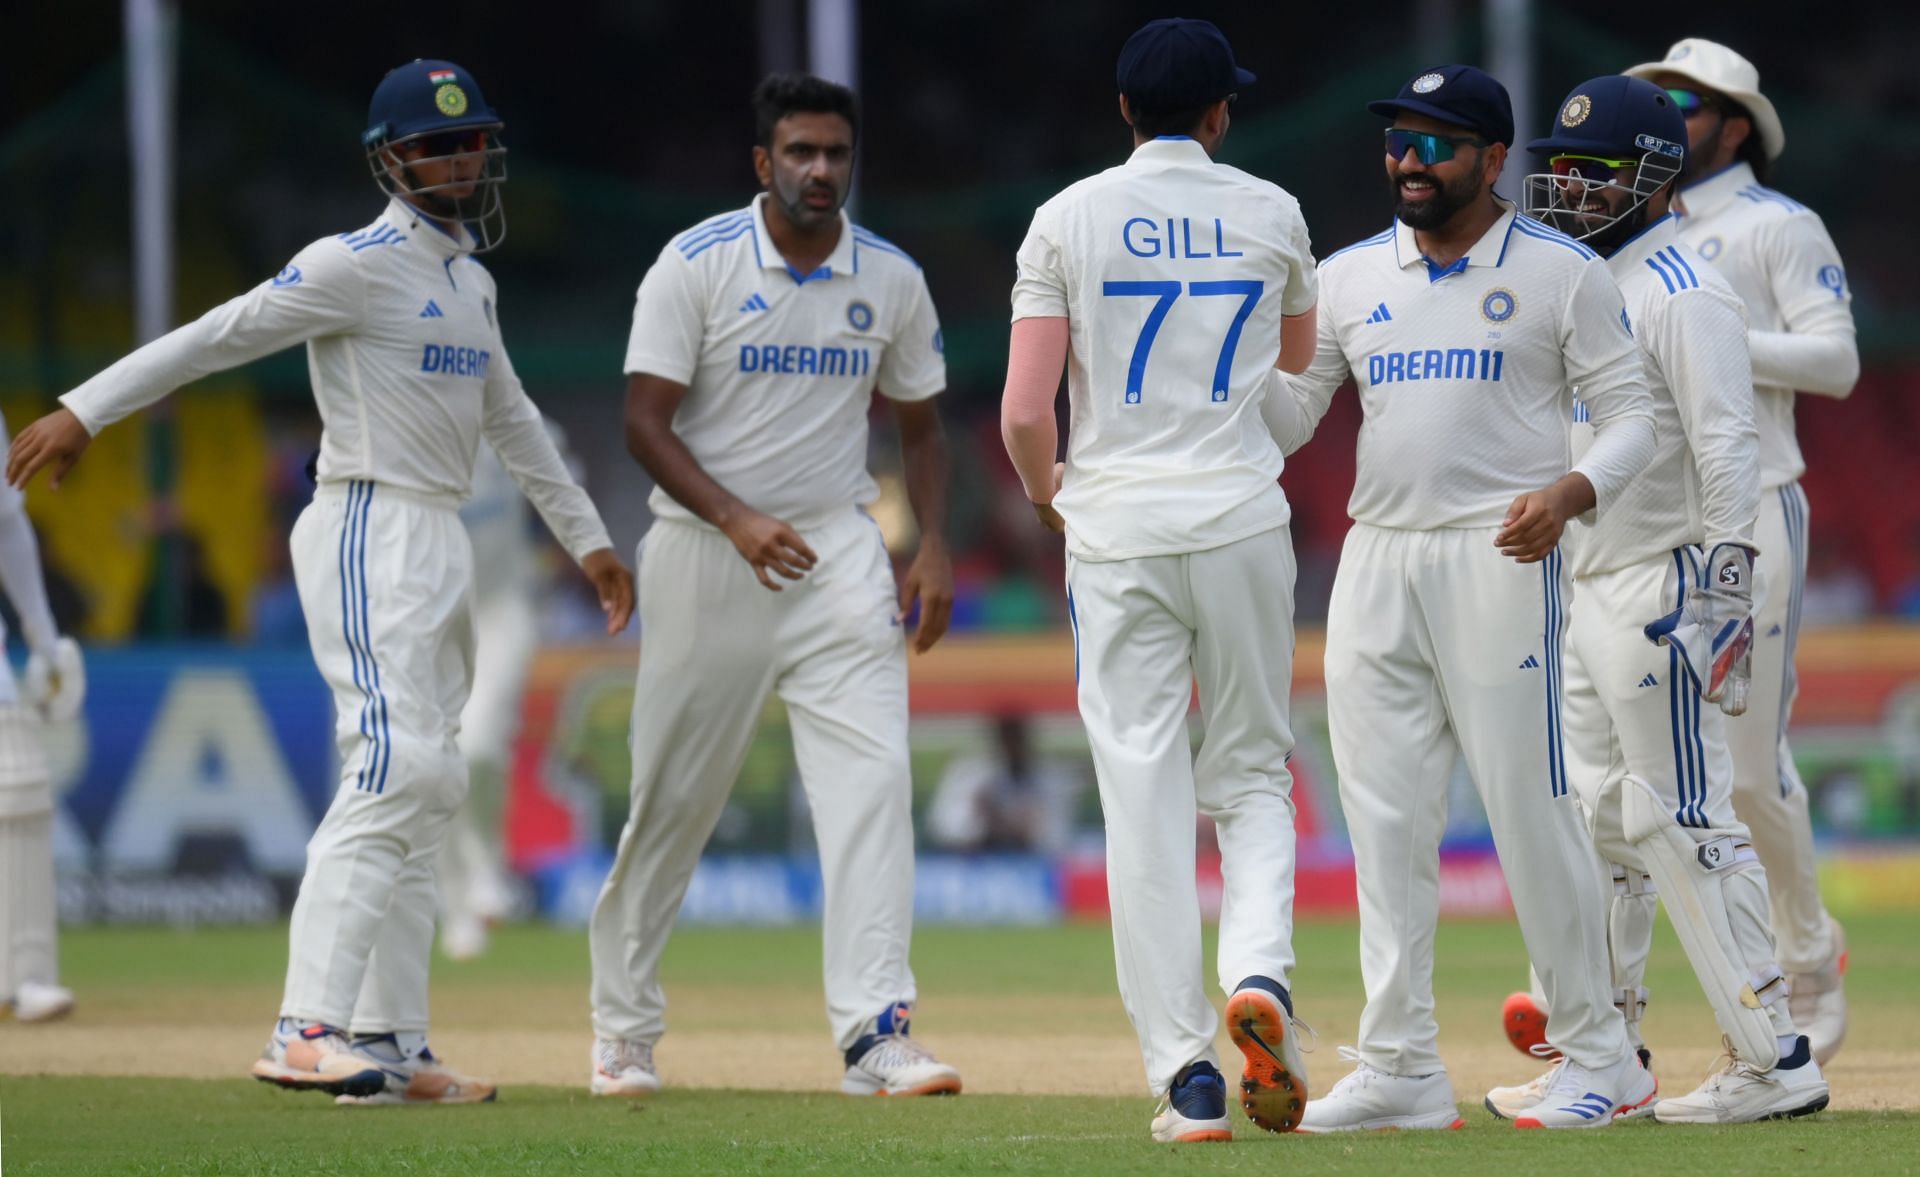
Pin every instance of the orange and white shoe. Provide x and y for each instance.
(1194, 1110)
(36, 1002)
(1526, 1026)
(412, 1076)
(888, 1062)
(309, 1056)
(623, 1067)
(1273, 1081)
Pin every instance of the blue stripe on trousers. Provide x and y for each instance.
(383, 750)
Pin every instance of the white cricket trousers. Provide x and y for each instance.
(28, 907)
(385, 579)
(1145, 631)
(1438, 646)
(1767, 791)
(714, 644)
(472, 870)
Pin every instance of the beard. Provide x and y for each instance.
(800, 212)
(1700, 158)
(1449, 197)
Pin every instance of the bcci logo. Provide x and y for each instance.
(287, 277)
(859, 316)
(1428, 83)
(1710, 248)
(451, 100)
(1498, 306)
(1576, 110)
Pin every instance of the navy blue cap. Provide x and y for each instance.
(1617, 117)
(423, 96)
(1457, 94)
(1172, 65)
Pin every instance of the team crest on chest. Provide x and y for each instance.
(1710, 248)
(1498, 306)
(859, 316)
(1576, 110)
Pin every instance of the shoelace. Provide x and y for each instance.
(895, 1050)
(1570, 1082)
(1360, 1077)
(1313, 1035)
(618, 1054)
(1732, 1066)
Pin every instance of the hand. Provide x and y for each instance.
(1048, 516)
(929, 580)
(56, 440)
(1533, 525)
(767, 543)
(56, 682)
(614, 584)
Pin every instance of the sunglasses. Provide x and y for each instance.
(1690, 102)
(454, 142)
(1431, 148)
(1591, 168)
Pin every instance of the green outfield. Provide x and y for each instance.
(141, 1080)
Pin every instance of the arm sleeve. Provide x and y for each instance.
(669, 320)
(1040, 281)
(1294, 405)
(20, 573)
(320, 292)
(1303, 277)
(1603, 362)
(1817, 352)
(513, 426)
(1702, 354)
(914, 366)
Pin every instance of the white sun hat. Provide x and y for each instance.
(1720, 69)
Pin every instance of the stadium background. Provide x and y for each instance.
(204, 756)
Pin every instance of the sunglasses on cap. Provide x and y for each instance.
(1690, 102)
(1591, 168)
(1430, 148)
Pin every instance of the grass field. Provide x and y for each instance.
(142, 1080)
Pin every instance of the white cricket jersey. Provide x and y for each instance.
(406, 359)
(1776, 253)
(1466, 373)
(1703, 484)
(1173, 272)
(780, 367)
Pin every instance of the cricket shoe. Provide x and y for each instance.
(1510, 1103)
(307, 1056)
(1369, 1098)
(1818, 1001)
(888, 1062)
(412, 1076)
(1273, 1082)
(36, 1002)
(1739, 1093)
(1583, 1097)
(623, 1067)
(1526, 1025)
(1194, 1110)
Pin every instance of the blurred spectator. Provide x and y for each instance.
(181, 600)
(1837, 591)
(1010, 800)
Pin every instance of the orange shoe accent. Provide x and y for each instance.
(1272, 1095)
(1206, 1136)
(1525, 1024)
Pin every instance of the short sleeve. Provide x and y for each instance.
(669, 320)
(1303, 280)
(915, 364)
(1040, 281)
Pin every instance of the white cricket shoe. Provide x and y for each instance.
(1739, 1093)
(1194, 1110)
(1818, 1001)
(623, 1067)
(1582, 1097)
(894, 1064)
(1510, 1103)
(463, 937)
(1370, 1098)
(309, 1056)
(1273, 1081)
(412, 1076)
(36, 1002)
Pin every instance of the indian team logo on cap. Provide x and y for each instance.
(1498, 306)
(451, 100)
(859, 315)
(1710, 248)
(1428, 83)
(1576, 110)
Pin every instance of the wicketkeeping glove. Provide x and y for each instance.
(57, 686)
(1713, 629)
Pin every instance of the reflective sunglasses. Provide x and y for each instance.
(1431, 148)
(1591, 168)
(1690, 102)
(464, 142)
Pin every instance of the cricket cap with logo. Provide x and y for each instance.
(1720, 69)
(1458, 94)
(1173, 64)
(422, 97)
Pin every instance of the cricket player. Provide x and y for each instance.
(1673, 562)
(1465, 327)
(56, 686)
(1169, 287)
(401, 324)
(759, 338)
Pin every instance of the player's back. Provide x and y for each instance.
(1174, 273)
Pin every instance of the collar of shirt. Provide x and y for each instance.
(1653, 237)
(840, 261)
(1710, 194)
(1489, 251)
(427, 231)
(1169, 149)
